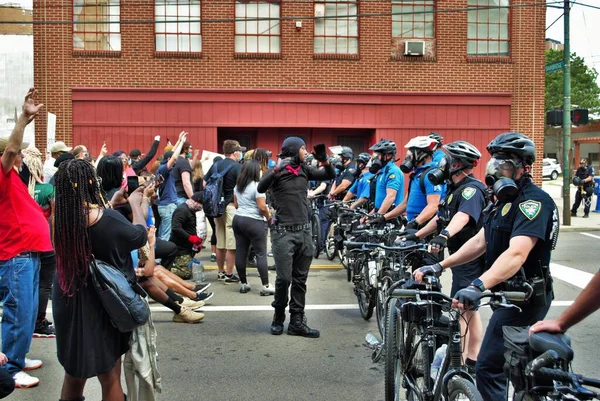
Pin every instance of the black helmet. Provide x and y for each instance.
(513, 143)
(363, 158)
(463, 151)
(384, 146)
(347, 153)
(437, 137)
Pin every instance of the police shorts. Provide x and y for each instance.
(224, 229)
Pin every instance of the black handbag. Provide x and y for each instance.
(121, 297)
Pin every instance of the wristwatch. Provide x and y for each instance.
(445, 233)
(479, 284)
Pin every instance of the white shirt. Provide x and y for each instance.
(247, 205)
(49, 169)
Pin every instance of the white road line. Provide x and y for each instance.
(569, 275)
(590, 235)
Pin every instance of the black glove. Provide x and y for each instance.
(469, 297)
(412, 225)
(377, 219)
(439, 243)
(411, 237)
(431, 270)
(282, 163)
(320, 152)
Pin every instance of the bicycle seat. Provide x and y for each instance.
(561, 343)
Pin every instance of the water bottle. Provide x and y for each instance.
(198, 275)
(371, 340)
(438, 359)
(372, 272)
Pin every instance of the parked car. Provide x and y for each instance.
(551, 168)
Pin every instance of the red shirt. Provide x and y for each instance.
(23, 226)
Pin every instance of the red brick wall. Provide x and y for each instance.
(57, 70)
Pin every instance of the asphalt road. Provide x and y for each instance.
(231, 355)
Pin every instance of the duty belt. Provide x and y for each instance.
(293, 228)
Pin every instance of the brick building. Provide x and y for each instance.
(340, 72)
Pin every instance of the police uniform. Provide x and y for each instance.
(532, 214)
(468, 196)
(585, 191)
(417, 200)
(438, 155)
(349, 174)
(360, 188)
(389, 177)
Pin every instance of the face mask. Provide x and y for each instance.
(188, 155)
(408, 164)
(241, 157)
(439, 175)
(376, 165)
(504, 188)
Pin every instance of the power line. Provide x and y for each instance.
(287, 18)
(555, 21)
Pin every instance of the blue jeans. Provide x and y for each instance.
(325, 223)
(19, 286)
(166, 218)
(181, 200)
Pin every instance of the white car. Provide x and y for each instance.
(551, 168)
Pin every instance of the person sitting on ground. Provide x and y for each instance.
(184, 235)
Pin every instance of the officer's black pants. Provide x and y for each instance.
(587, 202)
(490, 377)
(293, 254)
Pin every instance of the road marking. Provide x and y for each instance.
(569, 275)
(591, 235)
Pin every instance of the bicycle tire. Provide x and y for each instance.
(364, 293)
(381, 298)
(349, 270)
(330, 246)
(417, 363)
(394, 340)
(316, 235)
(459, 386)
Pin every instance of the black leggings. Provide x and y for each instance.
(47, 270)
(248, 232)
(213, 237)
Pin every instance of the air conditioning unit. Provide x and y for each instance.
(414, 48)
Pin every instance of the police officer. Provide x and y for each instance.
(389, 184)
(438, 153)
(517, 238)
(584, 181)
(347, 174)
(460, 218)
(361, 187)
(291, 236)
(423, 198)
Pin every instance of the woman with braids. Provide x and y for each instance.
(87, 343)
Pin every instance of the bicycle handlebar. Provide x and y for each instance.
(508, 295)
(367, 245)
(539, 368)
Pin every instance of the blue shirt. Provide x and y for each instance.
(417, 200)
(438, 155)
(390, 177)
(361, 187)
(167, 192)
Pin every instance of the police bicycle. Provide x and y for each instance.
(315, 223)
(538, 367)
(415, 360)
(343, 221)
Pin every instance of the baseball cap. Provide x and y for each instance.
(4, 144)
(135, 153)
(63, 158)
(198, 197)
(59, 147)
(230, 146)
(166, 157)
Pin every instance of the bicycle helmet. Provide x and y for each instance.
(438, 138)
(423, 143)
(463, 151)
(513, 143)
(347, 153)
(363, 158)
(384, 146)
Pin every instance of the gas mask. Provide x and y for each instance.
(408, 164)
(376, 165)
(504, 188)
(441, 174)
(340, 166)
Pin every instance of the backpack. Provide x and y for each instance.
(421, 177)
(214, 203)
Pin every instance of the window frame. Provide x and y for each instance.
(178, 53)
(98, 52)
(490, 57)
(257, 54)
(399, 3)
(336, 55)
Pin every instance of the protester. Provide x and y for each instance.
(56, 150)
(182, 174)
(80, 152)
(213, 227)
(25, 233)
(140, 161)
(250, 226)
(184, 235)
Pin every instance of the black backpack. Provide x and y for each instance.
(213, 200)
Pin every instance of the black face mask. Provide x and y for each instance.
(505, 189)
(441, 174)
(408, 164)
(376, 166)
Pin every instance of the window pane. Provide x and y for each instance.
(472, 16)
(472, 31)
(482, 47)
(115, 42)
(503, 31)
(330, 45)
(353, 46)
(319, 45)
(429, 33)
(196, 43)
(240, 27)
(482, 31)
(171, 27)
(184, 43)
(342, 27)
(419, 30)
(171, 43)
(263, 27)
(504, 48)
(275, 27)
(330, 27)
(160, 43)
(493, 48)
(252, 27)
(160, 27)
(471, 47)
(263, 44)
(342, 45)
(275, 44)
(494, 31)
(494, 15)
(240, 44)
(251, 44)
(353, 27)
(240, 10)
(195, 27)
(183, 27)
(320, 27)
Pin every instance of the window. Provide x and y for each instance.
(96, 25)
(257, 36)
(337, 34)
(413, 19)
(178, 26)
(488, 28)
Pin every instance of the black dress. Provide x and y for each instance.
(87, 343)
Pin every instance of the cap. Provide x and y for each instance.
(135, 153)
(230, 146)
(59, 147)
(63, 158)
(167, 156)
(4, 144)
(198, 197)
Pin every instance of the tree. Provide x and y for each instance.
(585, 92)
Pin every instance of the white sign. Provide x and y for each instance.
(207, 159)
(50, 131)
(336, 150)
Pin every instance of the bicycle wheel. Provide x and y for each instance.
(417, 361)
(364, 293)
(316, 234)
(349, 269)
(460, 389)
(381, 301)
(330, 246)
(394, 352)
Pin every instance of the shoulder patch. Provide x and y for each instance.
(392, 176)
(506, 209)
(530, 208)
(450, 198)
(468, 193)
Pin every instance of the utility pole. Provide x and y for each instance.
(567, 119)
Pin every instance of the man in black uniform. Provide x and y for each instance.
(584, 181)
(517, 238)
(291, 236)
(346, 177)
(460, 217)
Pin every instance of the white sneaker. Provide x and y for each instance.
(193, 305)
(23, 380)
(32, 364)
(268, 289)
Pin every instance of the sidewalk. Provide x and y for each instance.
(554, 189)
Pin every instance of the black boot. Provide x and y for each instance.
(298, 327)
(278, 320)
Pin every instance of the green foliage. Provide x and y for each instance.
(585, 92)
